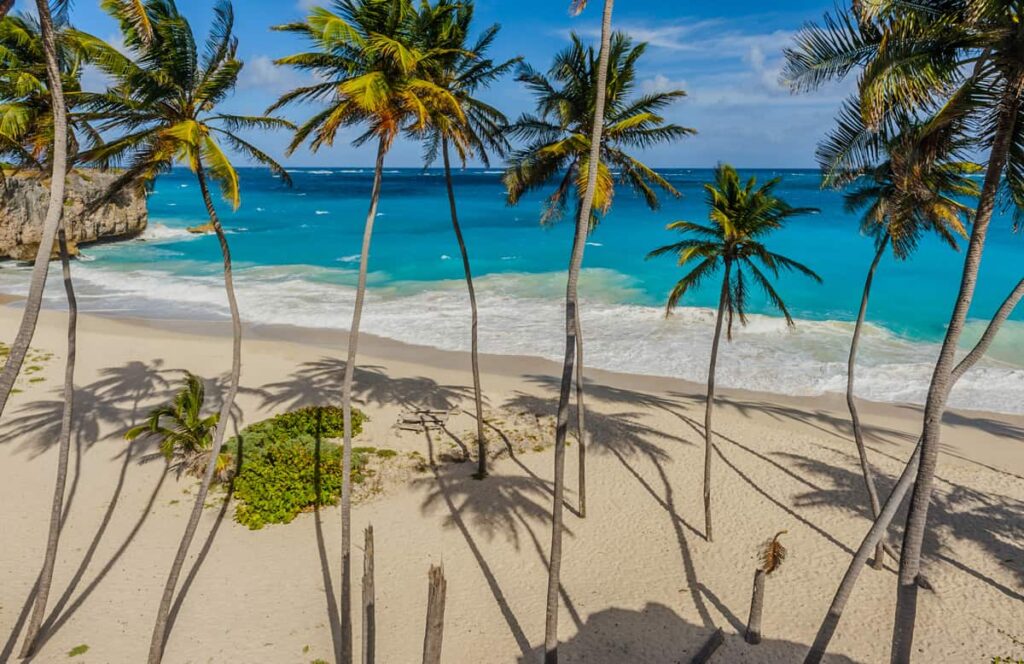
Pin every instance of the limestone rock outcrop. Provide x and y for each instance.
(23, 201)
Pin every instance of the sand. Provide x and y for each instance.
(640, 584)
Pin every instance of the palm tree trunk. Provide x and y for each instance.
(481, 441)
(57, 506)
(892, 504)
(938, 392)
(851, 403)
(581, 428)
(5, 7)
(346, 404)
(54, 210)
(709, 402)
(160, 628)
(571, 304)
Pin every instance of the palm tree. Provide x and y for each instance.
(163, 106)
(967, 59)
(830, 623)
(572, 330)
(559, 145)
(741, 215)
(463, 72)
(185, 436)
(907, 179)
(26, 113)
(54, 207)
(371, 73)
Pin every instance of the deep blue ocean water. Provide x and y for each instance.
(296, 252)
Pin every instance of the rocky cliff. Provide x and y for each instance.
(23, 201)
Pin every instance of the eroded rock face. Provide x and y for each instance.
(23, 201)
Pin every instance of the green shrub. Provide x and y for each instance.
(325, 420)
(279, 477)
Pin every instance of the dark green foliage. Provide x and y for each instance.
(288, 466)
(325, 421)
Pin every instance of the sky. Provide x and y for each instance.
(725, 54)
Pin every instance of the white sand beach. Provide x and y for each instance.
(640, 583)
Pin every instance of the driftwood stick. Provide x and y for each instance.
(435, 616)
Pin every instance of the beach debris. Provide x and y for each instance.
(420, 420)
(434, 633)
(771, 556)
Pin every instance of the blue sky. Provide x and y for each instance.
(726, 55)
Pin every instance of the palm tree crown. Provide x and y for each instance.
(741, 215)
(907, 176)
(558, 136)
(185, 435)
(372, 69)
(163, 102)
(462, 69)
(26, 114)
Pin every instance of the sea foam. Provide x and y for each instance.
(523, 314)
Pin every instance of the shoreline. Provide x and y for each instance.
(375, 349)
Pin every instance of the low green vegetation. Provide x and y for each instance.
(289, 465)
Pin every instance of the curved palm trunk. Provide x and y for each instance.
(581, 428)
(571, 305)
(346, 403)
(481, 441)
(5, 6)
(938, 392)
(160, 628)
(709, 403)
(54, 210)
(851, 403)
(57, 506)
(892, 504)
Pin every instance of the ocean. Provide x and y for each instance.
(296, 256)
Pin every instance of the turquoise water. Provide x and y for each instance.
(296, 251)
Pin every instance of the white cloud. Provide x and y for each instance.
(260, 73)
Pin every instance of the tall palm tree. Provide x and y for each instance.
(163, 110)
(54, 207)
(373, 74)
(464, 71)
(559, 143)
(741, 216)
(967, 59)
(907, 179)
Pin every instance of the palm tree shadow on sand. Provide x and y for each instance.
(104, 409)
(657, 635)
(319, 382)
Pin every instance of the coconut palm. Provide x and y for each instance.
(741, 216)
(184, 435)
(373, 74)
(54, 208)
(463, 72)
(26, 114)
(907, 179)
(967, 59)
(26, 330)
(559, 143)
(162, 110)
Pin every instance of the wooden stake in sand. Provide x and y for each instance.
(435, 616)
(369, 614)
